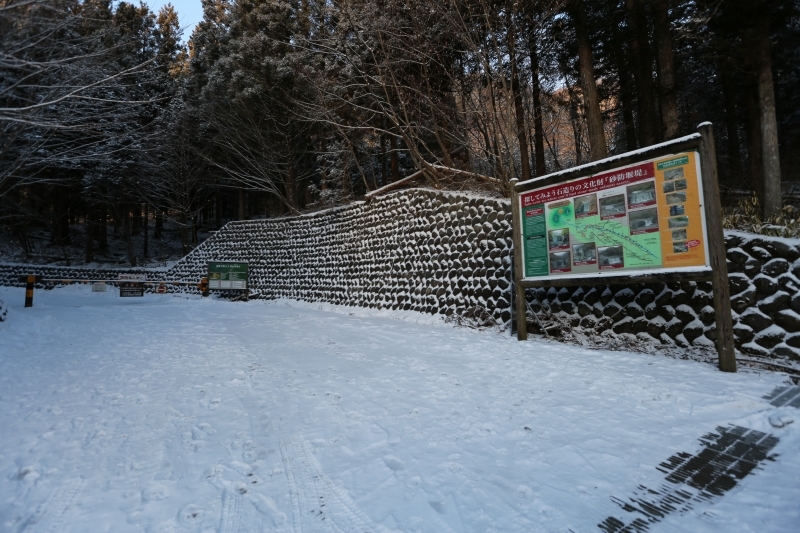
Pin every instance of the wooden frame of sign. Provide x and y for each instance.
(652, 226)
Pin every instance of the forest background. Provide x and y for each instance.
(274, 107)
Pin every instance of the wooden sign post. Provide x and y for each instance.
(652, 215)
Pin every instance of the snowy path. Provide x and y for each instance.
(166, 414)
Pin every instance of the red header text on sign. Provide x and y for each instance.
(589, 185)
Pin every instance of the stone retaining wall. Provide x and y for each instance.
(450, 253)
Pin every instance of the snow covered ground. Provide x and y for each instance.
(176, 414)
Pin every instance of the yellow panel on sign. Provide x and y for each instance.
(680, 211)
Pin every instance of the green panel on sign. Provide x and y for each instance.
(680, 161)
(534, 230)
(227, 275)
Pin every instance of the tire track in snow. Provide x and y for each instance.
(316, 500)
(231, 512)
(295, 494)
(49, 517)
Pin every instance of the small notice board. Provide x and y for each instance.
(227, 275)
(131, 285)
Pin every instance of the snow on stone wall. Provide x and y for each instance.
(414, 250)
(449, 253)
(3, 310)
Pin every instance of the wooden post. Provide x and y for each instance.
(522, 323)
(716, 249)
(29, 281)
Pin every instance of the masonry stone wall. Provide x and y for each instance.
(450, 254)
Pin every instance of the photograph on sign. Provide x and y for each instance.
(646, 216)
(227, 275)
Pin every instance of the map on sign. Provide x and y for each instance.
(227, 275)
(642, 217)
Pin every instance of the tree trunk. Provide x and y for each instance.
(769, 124)
(127, 229)
(185, 234)
(100, 231)
(217, 209)
(520, 112)
(145, 251)
(591, 100)
(667, 97)
(753, 122)
(642, 72)
(384, 161)
(394, 162)
(536, 93)
(60, 234)
(89, 250)
(136, 225)
(159, 224)
(731, 122)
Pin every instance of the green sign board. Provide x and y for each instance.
(227, 275)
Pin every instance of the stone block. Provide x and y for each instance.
(744, 300)
(760, 253)
(708, 315)
(770, 336)
(770, 304)
(788, 320)
(624, 326)
(685, 313)
(667, 312)
(592, 296)
(781, 249)
(775, 267)
(634, 310)
(624, 296)
(765, 284)
(755, 319)
(784, 350)
(645, 297)
(738, 283)
(792, 339)
(606, 296)
(665, 298)
(584, 308)
(752, 267)
(751, 348)
(674, 327)
(737, 256)
(655, 328)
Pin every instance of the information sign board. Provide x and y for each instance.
(646, 216)
(131, 285)
(129, 289)
(227, 275)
